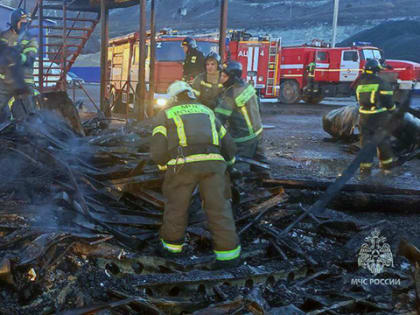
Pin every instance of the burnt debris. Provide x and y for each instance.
(79, 217)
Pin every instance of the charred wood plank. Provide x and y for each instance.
(165, 304)
(197, 277)
(412, 253)
(95, 308)
(360, 201)
(149, 196)
(39, 247)
(322, 185)
(268, 204)
(127, 220)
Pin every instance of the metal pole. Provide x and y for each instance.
(223, 24)
(104, 57)
(141, 85)
(335, 18)
(152, 59)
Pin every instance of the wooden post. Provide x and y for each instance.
(141, 85)
(41, 47)
(104, 58)
(152, 59)
(223, 25)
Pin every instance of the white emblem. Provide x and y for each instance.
(375, 254)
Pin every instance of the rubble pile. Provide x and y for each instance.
(79, 218)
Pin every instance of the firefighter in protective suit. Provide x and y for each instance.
(194, 59)
(375, 105)
(206, 85)
(17, 37)
(239, 106)
(194, 147)
(311, 86)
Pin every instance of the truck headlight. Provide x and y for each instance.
(161, 102)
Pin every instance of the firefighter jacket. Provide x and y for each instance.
(311, 69)
(193, 64)
(240, 107)
(28, 48)
(374, 95)
(190, 133)
(206, 92)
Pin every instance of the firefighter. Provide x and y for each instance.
(206, 85)
(194, 59)
(239, 106)
(311, 86)
(18, 37)
(194, 146)
(375, 106)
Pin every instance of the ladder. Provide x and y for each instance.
(63, 32)
(272, 67)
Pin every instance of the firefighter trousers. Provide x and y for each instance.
(178, 187)
(5, 95)
(369, 125)
(252, 149)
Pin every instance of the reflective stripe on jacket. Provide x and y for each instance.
(239, 105)
(374, 95)
(188, 133)
(28, 48)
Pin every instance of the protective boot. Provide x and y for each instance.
(224, 264)
(161, 251)
(389, 166)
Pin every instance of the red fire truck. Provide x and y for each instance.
(282, 72)
(276, 72)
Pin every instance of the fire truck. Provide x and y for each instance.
(123, 64)
(280, 73)
(283, 72)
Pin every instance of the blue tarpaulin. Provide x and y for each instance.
(89, 74)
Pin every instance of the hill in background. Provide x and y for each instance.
(398, 39)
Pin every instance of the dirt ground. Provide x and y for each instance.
(296, 148)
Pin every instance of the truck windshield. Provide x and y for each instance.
(172, 50)
(372, 54)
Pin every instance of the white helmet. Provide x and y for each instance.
(178, 87)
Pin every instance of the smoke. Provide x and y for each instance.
(42, 161)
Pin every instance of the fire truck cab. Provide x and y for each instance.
(123, 63)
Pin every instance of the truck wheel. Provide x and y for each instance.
(289, 92)
(312, 99)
